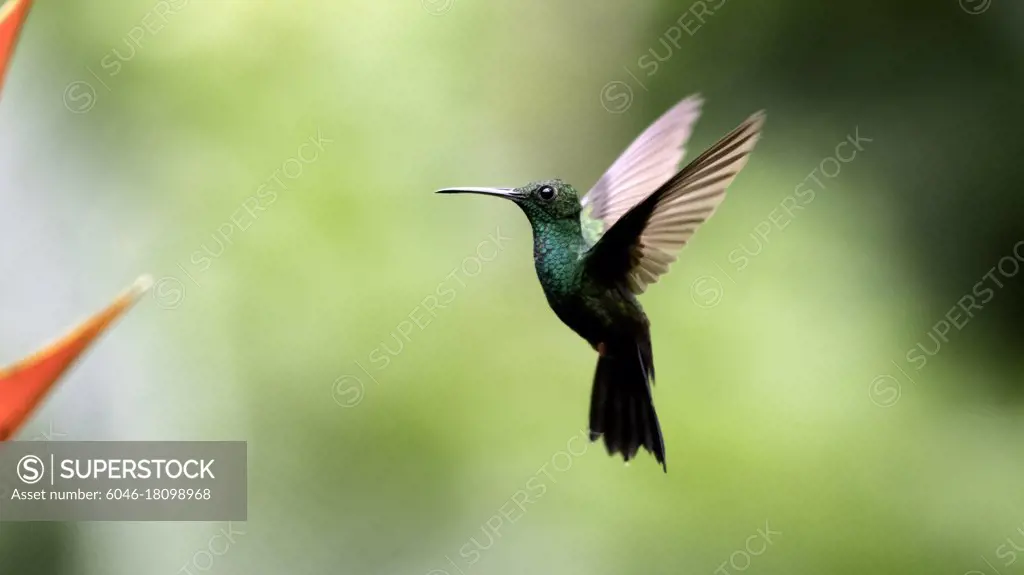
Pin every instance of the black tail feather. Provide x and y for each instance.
(621, 407)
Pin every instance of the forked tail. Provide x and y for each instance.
(621, 408)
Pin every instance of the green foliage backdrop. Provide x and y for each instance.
(830, 402)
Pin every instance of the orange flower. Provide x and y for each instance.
(23, 385)
(12, 16)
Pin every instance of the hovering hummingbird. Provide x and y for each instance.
(594, 256)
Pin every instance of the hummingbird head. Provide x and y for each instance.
(542, 201)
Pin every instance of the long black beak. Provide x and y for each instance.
(507, 193)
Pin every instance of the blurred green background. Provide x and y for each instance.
(826, 407)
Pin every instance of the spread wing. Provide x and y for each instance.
(643, 242)
(647, 163)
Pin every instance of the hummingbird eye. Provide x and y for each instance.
(546, 193)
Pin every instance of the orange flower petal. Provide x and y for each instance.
(12, 16)
(23, 385)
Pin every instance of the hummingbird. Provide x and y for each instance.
(594, 255)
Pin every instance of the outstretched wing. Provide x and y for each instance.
(647, 163)
(641, 245)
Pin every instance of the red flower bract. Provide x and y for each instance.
(12, 16)
(23, 385)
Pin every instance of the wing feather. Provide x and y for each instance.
(649, 161)
(645, 240)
